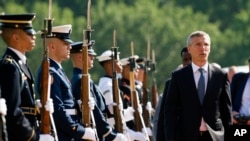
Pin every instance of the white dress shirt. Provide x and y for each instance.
(196, 73)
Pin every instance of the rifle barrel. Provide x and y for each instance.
(115, 88)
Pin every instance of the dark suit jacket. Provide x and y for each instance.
(183, 107)
(237, 87)
(17, 84)
(159, 127)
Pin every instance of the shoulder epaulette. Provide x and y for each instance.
(8, 59)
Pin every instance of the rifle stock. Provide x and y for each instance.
(45, 81)
(139, 122)
(87, 113)
(116, 92)
(146, 113)
(47, 121)
(134, 96)
(154, 89)
(135, 100)
(45, 115)
(154, 94)
(85, 93)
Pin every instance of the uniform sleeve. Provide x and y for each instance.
(103, 128)
(107, 91)
(170, 108)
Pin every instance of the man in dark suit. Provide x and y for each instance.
(240, 88)
(16, 79)
(203, 117)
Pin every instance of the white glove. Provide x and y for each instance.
(46, 137)
(111, 107)
(129, 114)
(79, 102)
(133, 135)
(91, 103)
(147, 130)
(3, 107)
(120, 137)
(120, 106)
(149, 106)
(89, 134)
(38, 105)
(139, 109)
(49, 106)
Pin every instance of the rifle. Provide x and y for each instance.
(154, 85)
(46, 117)
(139, 122)
(87, 113)
(3, 131)
(146, 114)
(116, 92)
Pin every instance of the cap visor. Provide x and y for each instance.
(91, 53)
(30, 31)
(68, 40)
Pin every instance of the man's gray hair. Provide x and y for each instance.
(196, 34)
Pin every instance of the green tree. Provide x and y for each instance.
(166, 23)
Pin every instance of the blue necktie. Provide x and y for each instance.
(201, 85)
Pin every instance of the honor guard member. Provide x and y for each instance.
(139, 81)
(105, 83)
(106, 87)
(140, 78)
(16, 80)
(125, 80)
(65, 114)
(104, 130)
(124, 85)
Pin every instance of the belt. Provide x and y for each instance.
(203, 133)
(71, 111)
(29, 110)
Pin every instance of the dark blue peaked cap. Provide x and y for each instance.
(76, 47)
(21, 21)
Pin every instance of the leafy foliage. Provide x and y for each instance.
(166, 23)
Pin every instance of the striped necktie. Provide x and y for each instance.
(201, 85)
